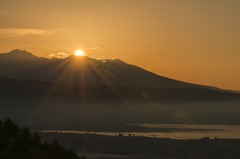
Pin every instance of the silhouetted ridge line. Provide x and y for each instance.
(40, 89)
(83, 70)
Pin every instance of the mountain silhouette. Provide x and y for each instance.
(33, 89)
(83, 70)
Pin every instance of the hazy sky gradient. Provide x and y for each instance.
(194, 41)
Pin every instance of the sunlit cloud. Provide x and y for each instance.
(20, 32)
(95, 48)
(107, 6)
(103, 58)
(59, 55)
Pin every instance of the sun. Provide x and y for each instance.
(79, 53)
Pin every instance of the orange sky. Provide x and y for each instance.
(192, 41)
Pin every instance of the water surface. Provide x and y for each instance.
(181, 131)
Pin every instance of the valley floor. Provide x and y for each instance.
(118, 147)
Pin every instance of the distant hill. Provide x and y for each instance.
(83, 70)
(33, 89)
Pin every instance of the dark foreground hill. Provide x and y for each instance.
(38, 89)
(16, 143)
(83, 70)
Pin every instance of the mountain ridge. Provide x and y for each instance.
(33, 89)
(84, 70)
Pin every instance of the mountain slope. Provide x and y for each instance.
(33, 89)
(83, 70)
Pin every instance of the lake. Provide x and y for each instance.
(178, 131)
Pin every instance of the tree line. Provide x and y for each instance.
(20, 143)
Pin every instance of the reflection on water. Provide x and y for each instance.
(192, 126)
(181, 131)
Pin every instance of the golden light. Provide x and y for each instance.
(79, 53)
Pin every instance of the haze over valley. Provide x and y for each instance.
(87, 94)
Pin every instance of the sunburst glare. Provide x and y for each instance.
(79, 53)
